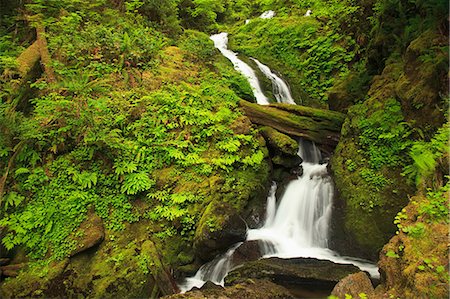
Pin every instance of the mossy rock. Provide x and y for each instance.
(126, 265)
(38, 281)
(424, 81)
(219, 228)
(279, 141)
(414, 263)
(364, 208)
(91, 234)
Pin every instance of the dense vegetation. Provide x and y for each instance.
(124, 110)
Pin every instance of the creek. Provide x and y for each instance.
(297, 225)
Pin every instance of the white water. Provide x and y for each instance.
(220, 42)
(280, 88)
(267, 14)
(299, 225)
(308, 13)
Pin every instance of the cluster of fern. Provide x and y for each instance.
(95, 138)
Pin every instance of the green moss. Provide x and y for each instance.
(280, 141)
(368, 162)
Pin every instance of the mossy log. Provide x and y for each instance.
(27, 59)
(318, 125)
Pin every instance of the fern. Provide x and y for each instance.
(137, 182)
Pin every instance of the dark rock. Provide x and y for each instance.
(353, 285)
(248, 251)
(93, 233)
(251, 288)
(219, 228)
(298, 275)
(297, 171)
(4, 261)
(287, 161)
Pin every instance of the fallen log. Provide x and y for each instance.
(318, 125)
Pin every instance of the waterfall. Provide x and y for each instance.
(280, 88)
(220, 42)
(299, 225)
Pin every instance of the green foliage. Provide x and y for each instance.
(198, 44)
(392, 254)
(384, 135)
(115, 40)
(377, 180)
(426, 156)
(303, 48)
(436, 209)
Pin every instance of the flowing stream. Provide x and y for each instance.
(298, 226)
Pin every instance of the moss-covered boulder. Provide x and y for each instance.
(219, 228)
(424, 81)
(367, 167)
(354, 285)
(90, 233)
(126, 265)
(39, 281)
(296, 274)
(414, 264)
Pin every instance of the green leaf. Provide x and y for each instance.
(392, 254)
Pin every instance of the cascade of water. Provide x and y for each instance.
(298, 227)
(280, 88)
(214, 271)
(220, 42)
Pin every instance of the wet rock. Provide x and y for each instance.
(286, 161)
(219, 228)
(251, 288)
(247, 252)
(353, 285)
(298, 275)
(93, 233)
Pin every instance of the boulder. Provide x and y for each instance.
(247, 252)
(28, 284)
(251, 288)
(286, 161)
(219, 228)
(92, 233)
(298, 275)
(353, 285)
